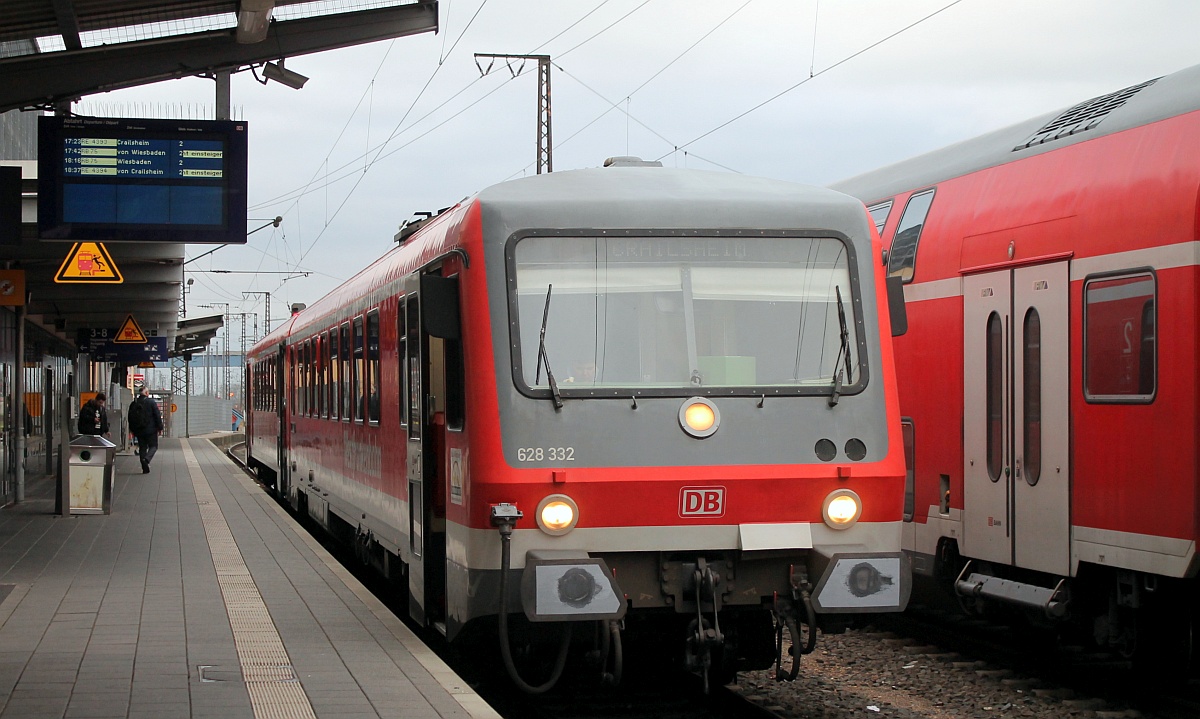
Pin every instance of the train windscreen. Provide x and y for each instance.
(685, 312)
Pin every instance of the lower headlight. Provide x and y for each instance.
(557, 514)
(842, 509)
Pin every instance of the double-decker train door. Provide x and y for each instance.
(1016, 503)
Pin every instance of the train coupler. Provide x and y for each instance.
(705, 640)
(787, 625)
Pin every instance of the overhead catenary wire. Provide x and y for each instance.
(780, 94)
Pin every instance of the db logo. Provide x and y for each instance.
(702, 502)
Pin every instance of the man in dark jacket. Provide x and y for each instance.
(93, 418)
(145, 422)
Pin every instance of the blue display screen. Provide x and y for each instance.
(151, 180)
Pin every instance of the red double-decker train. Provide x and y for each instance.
(1048, 379)
(656, 406)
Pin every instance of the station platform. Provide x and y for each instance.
(198, 596)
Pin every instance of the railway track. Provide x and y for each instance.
(672, 697)
(1081, 681)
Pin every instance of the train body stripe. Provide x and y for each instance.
(1165, 257)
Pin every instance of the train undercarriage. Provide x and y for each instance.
(1153, 622)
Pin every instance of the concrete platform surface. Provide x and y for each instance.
(198, 596)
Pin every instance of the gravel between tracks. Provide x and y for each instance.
(872, 674)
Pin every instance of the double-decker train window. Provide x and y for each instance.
(345, 385)
(879, 214)
(1119, 338)
(373, 366)
(358, 372)
(902, 257)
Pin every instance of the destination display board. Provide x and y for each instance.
(124, 179)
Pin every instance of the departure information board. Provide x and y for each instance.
(141, 180)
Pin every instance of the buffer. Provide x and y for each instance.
(89, 262)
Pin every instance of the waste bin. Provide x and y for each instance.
(90, 474)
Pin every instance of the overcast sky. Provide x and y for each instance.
(388, 129)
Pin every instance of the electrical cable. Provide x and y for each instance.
(811, 77)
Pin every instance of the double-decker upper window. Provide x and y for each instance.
(879, 214)
(902, 257)
(678, 314)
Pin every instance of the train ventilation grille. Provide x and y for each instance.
(1083, 116)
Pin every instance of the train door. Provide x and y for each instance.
(283, 480)
(415, 351)
(1016, 472)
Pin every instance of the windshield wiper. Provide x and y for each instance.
(843, 350)
(543, 357)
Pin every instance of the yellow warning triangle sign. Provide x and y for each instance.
(130, 332)
(89, 262)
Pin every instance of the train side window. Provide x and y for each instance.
(995, 396)
(292, 367)
(318, 370)
(1032, 396)
(902, 258)
(879, 213)
(910, 467)
(401, 354)
(413, 367)
(345, 384)
(335, 372)
(308, 378)
(1119, 338)
(373, 366)
(358, 372)
(323, 380)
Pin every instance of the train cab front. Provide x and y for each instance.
(699, 418)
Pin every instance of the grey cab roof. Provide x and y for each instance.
(669, 198)
(1149, 101)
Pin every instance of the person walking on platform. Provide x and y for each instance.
(93, 418)
(145, 422)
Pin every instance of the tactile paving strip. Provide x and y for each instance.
(266, 668)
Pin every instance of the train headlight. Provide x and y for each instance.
(557, 514)
(842, 509)
(699, 417)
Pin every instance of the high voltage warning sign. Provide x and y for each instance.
(130, 332)
(89, 262)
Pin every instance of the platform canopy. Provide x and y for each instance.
(53, 52)
(60, 50)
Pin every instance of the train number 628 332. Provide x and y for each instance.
(543, 454)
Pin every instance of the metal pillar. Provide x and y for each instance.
(545, 144)
(19, 409)
(266, 311)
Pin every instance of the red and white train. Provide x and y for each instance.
(658, 403)
(1048, 379)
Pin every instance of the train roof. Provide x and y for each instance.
(648, 197)
(1141, 104)
(661, 197)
